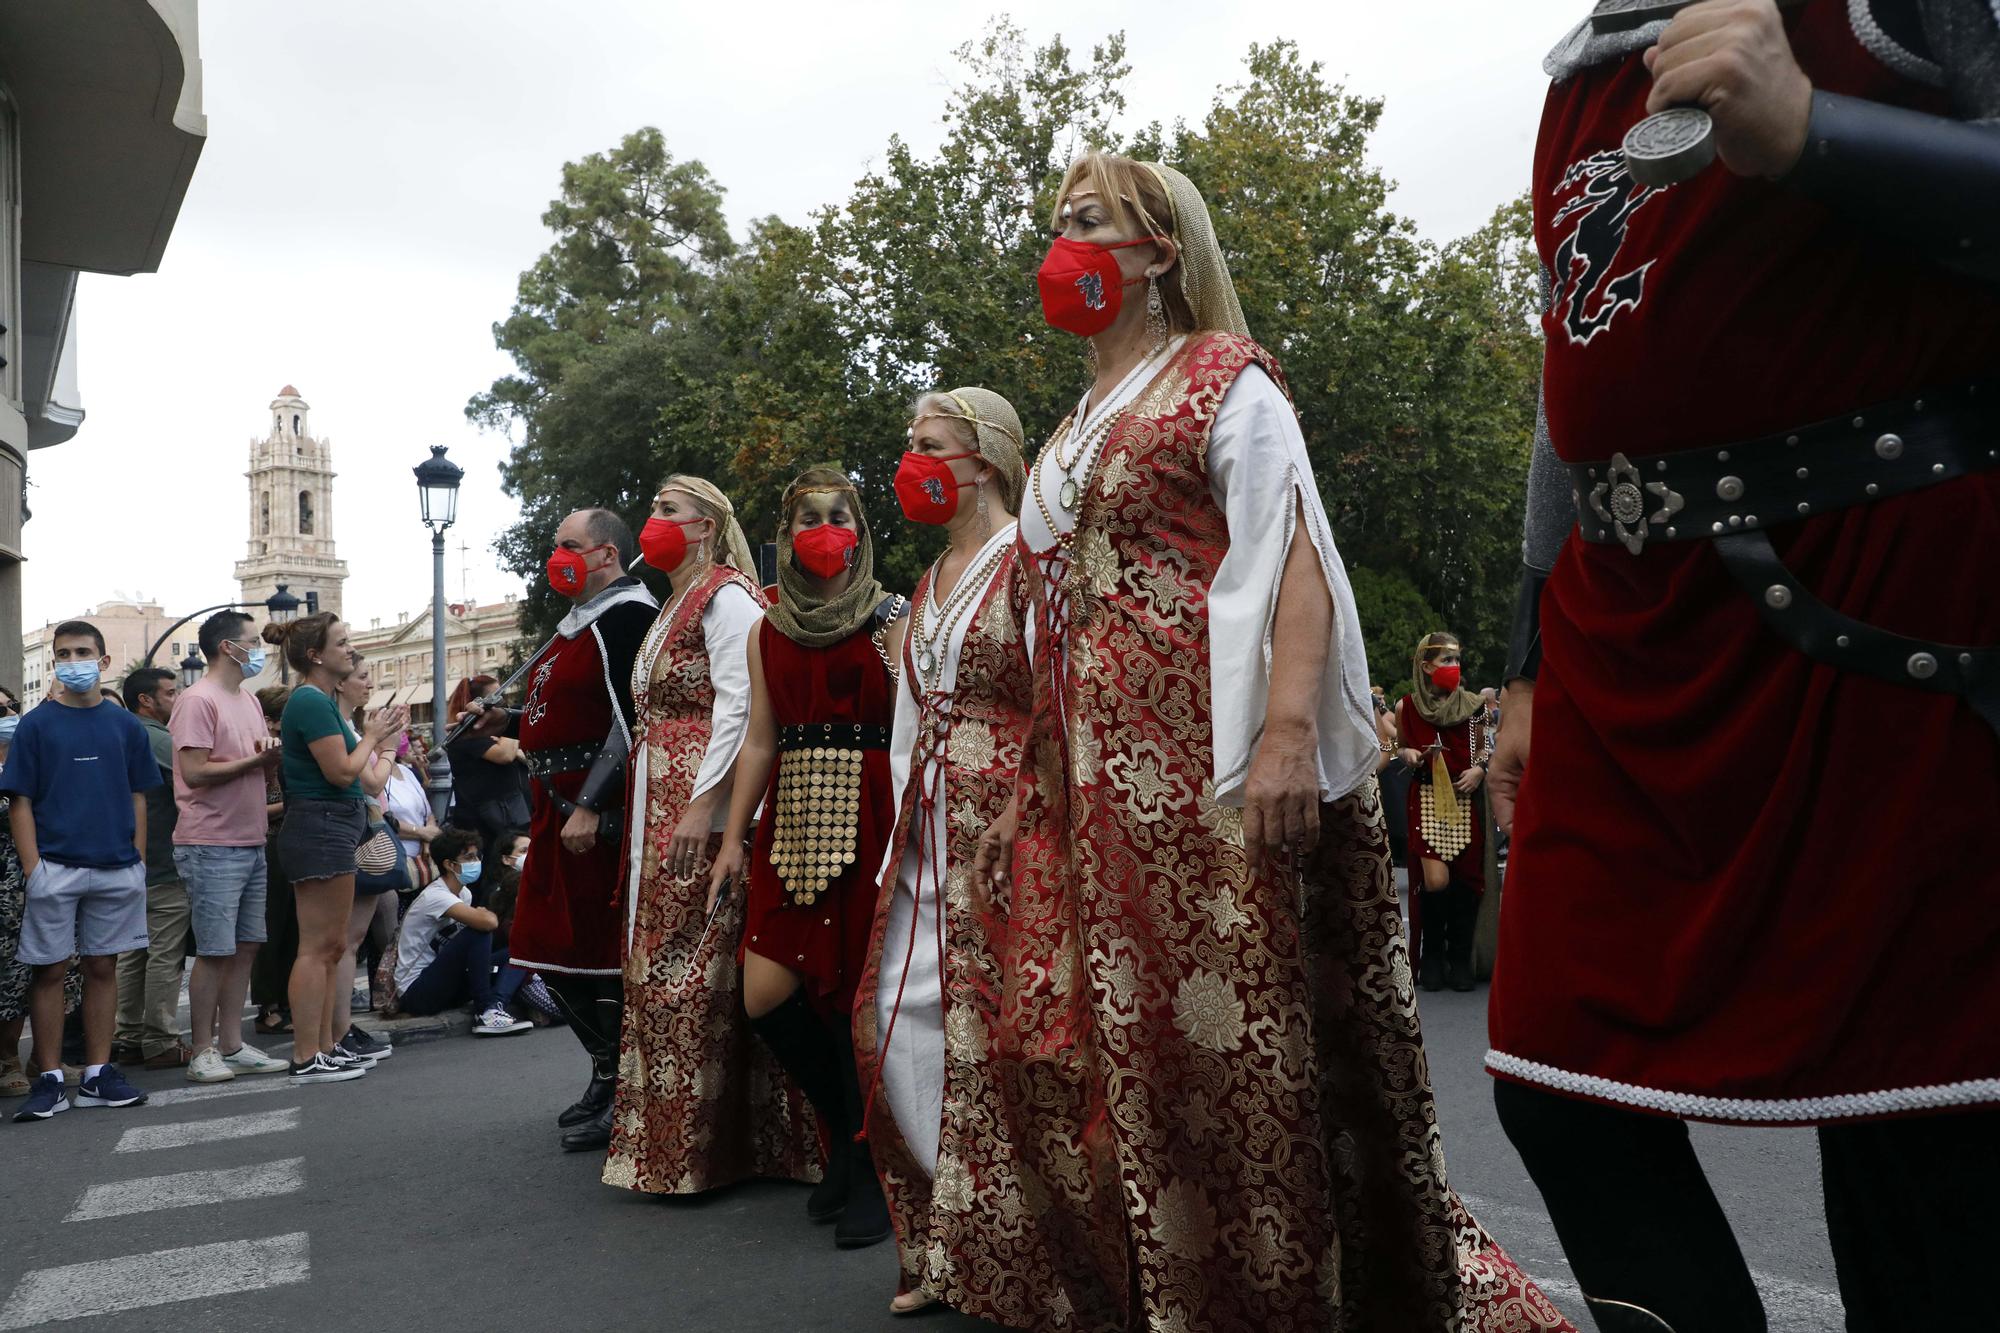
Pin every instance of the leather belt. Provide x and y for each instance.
(545, 764)
(835, 736)
(1730, 496)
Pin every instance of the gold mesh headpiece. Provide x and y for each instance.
(1205, 280)
(731, 546)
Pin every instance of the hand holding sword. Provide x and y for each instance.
(1725, 84)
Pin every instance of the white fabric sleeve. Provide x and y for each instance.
(725, 626)
(902, 753)
(1260, 477)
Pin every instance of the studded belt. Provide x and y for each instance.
(835, 736)
(1730, 496)
(545, 764)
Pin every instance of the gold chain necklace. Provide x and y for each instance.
(970, 588)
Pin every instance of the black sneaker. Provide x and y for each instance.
(319, 1069)
(357, 1042)
(340, 1055)
(109, 1088)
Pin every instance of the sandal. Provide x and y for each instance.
(273, 1022)
(920, 1302)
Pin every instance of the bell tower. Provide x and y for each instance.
(291, 510)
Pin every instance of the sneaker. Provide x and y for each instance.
(109, 1088)
(48, 1097)
(366, 1046)
(497, 1022)
(319, 1069)
(341, 1055)
(208, 1066)
(247, 1059)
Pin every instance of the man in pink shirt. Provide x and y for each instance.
(222, 751)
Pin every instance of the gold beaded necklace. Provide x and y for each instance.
(970, 588)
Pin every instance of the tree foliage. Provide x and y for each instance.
(646, 343)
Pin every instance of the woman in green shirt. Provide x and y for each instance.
(324, 824)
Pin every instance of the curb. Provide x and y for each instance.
(409, 1030)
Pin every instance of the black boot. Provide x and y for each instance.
(1431, 940)
(798, 1039)
(1461, 902)
(593, 1135)
(578, 1001)
(865, 1219)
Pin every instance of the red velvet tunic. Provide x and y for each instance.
(570, 915)
(1735, 891)
(826, 943)
(1469, 866)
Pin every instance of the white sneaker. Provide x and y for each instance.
(208, 1066)
(247, 1059)
(497, 1022)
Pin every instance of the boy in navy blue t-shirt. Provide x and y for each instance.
(78, 771)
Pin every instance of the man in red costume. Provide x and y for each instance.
(1761, 654)
(575, 732)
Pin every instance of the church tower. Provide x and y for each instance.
(291, 511)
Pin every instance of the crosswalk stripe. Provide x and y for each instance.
(219, 1130)
(162, 1277)
(208, 1092)
(188, 1189)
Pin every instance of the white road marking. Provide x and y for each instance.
(187, 1189)
(1791, 1306)
(196, 1272)
(206, 1092)
(218, 1130)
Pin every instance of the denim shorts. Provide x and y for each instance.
(225, 888)
(82, 910)
(319, 838)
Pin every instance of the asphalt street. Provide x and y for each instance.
(431, 1192)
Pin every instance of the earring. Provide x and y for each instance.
(1156, 317)
(985, 511)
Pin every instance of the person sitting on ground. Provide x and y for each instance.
(81, 833)
(444, 953)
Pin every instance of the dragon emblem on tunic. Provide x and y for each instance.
(537, 707)
(934, 489)
(1599, 198)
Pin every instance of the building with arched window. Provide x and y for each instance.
(291, 510)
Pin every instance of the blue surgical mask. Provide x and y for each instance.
(468, 873)
(78, 677)
(253, 664)
(7, 725)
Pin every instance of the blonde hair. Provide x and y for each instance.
(731, 546)
(988, 424)
(1135, 197)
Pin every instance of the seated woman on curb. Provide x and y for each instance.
(444, 953)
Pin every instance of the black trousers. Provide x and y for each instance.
(1912, 1211)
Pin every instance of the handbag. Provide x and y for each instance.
(380, 862)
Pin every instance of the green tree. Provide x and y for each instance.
(636, 235)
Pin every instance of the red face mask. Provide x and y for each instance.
(1446, 678)
(826, 552)
(664, 542)
(927, 488)
(1082, 286)
(570, 570)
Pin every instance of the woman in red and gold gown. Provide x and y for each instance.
(925, 1019)
(816, 756)
(700, 1103)
(1209, 1057)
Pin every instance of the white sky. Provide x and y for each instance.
(374, 178)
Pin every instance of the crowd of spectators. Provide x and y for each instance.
(282, 837)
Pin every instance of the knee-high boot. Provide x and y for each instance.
(577, 998)
(865, 1221)
(800, 1042)
(1433, 925)
(607, 1006)
(1462, 906)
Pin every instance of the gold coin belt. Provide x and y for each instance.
(817, 820)
(1445, 838)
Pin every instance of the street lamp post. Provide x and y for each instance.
(191, 668)
(280, 605)
(283, 609)
(437, 489)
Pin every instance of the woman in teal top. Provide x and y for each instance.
(324, 825)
